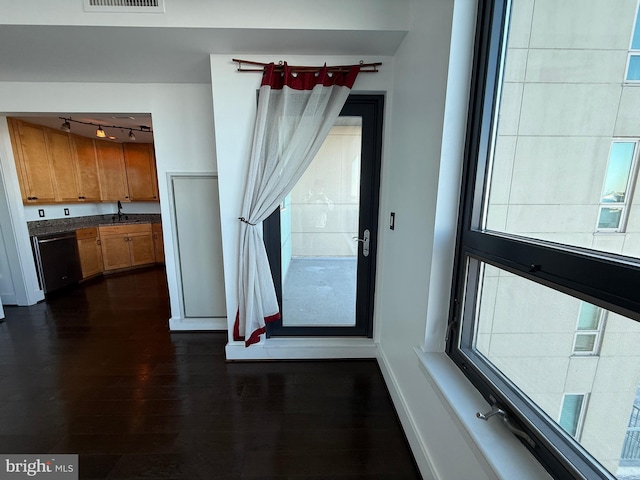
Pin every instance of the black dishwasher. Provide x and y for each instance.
(57, 260)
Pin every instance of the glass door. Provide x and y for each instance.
(321, 241)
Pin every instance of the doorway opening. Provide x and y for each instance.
(75, 181)
(321, 242)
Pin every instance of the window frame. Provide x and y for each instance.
(580, 272)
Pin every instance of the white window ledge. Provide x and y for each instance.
(490, 440)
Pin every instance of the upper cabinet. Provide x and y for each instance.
(58, 167)
(62, 166)
(141, 172)
(32, 162)
(86, 161)
(113, 176)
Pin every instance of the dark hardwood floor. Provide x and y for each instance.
(95, 371)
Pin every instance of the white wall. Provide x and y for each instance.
(182, 124)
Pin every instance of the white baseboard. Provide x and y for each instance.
(204, 323)
(406, 419)
(303, 349)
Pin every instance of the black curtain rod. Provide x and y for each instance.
(364, 67)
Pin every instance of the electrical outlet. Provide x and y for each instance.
(41, 213)
(66, 211)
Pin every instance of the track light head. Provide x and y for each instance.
(100, 132)
(66, 126)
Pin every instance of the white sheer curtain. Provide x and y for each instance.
(295, 113)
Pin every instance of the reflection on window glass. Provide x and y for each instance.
(571, 413)
(618, 170)
(590, 323)
(633, 73)
(610, 218)
(635, 40)
(545, 342)
(589, 316)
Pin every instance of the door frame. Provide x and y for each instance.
(371, 108)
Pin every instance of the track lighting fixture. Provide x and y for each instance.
(100, 133)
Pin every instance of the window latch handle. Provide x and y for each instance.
(495, 410)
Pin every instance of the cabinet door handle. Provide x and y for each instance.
(98, 242)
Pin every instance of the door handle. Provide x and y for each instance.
(365, 242)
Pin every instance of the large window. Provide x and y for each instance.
(546, 306)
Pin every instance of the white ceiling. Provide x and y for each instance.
(44, 53)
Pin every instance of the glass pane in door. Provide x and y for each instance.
(318, 223)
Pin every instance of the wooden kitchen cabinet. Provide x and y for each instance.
(141, 245)
(142, 178)
(86, 162)
(158, 242)
(90, 251)
(58, 167)
(62, 166)
(112, 172)
(32, 162)
(126, 245)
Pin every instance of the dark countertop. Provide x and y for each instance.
(63, 225)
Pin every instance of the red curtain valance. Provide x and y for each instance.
(307, 80)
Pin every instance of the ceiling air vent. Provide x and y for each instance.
(124, 6)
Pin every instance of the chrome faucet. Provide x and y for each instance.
(120, 214)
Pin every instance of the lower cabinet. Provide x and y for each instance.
(90, 251)
(158, 242)
(126, 245)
